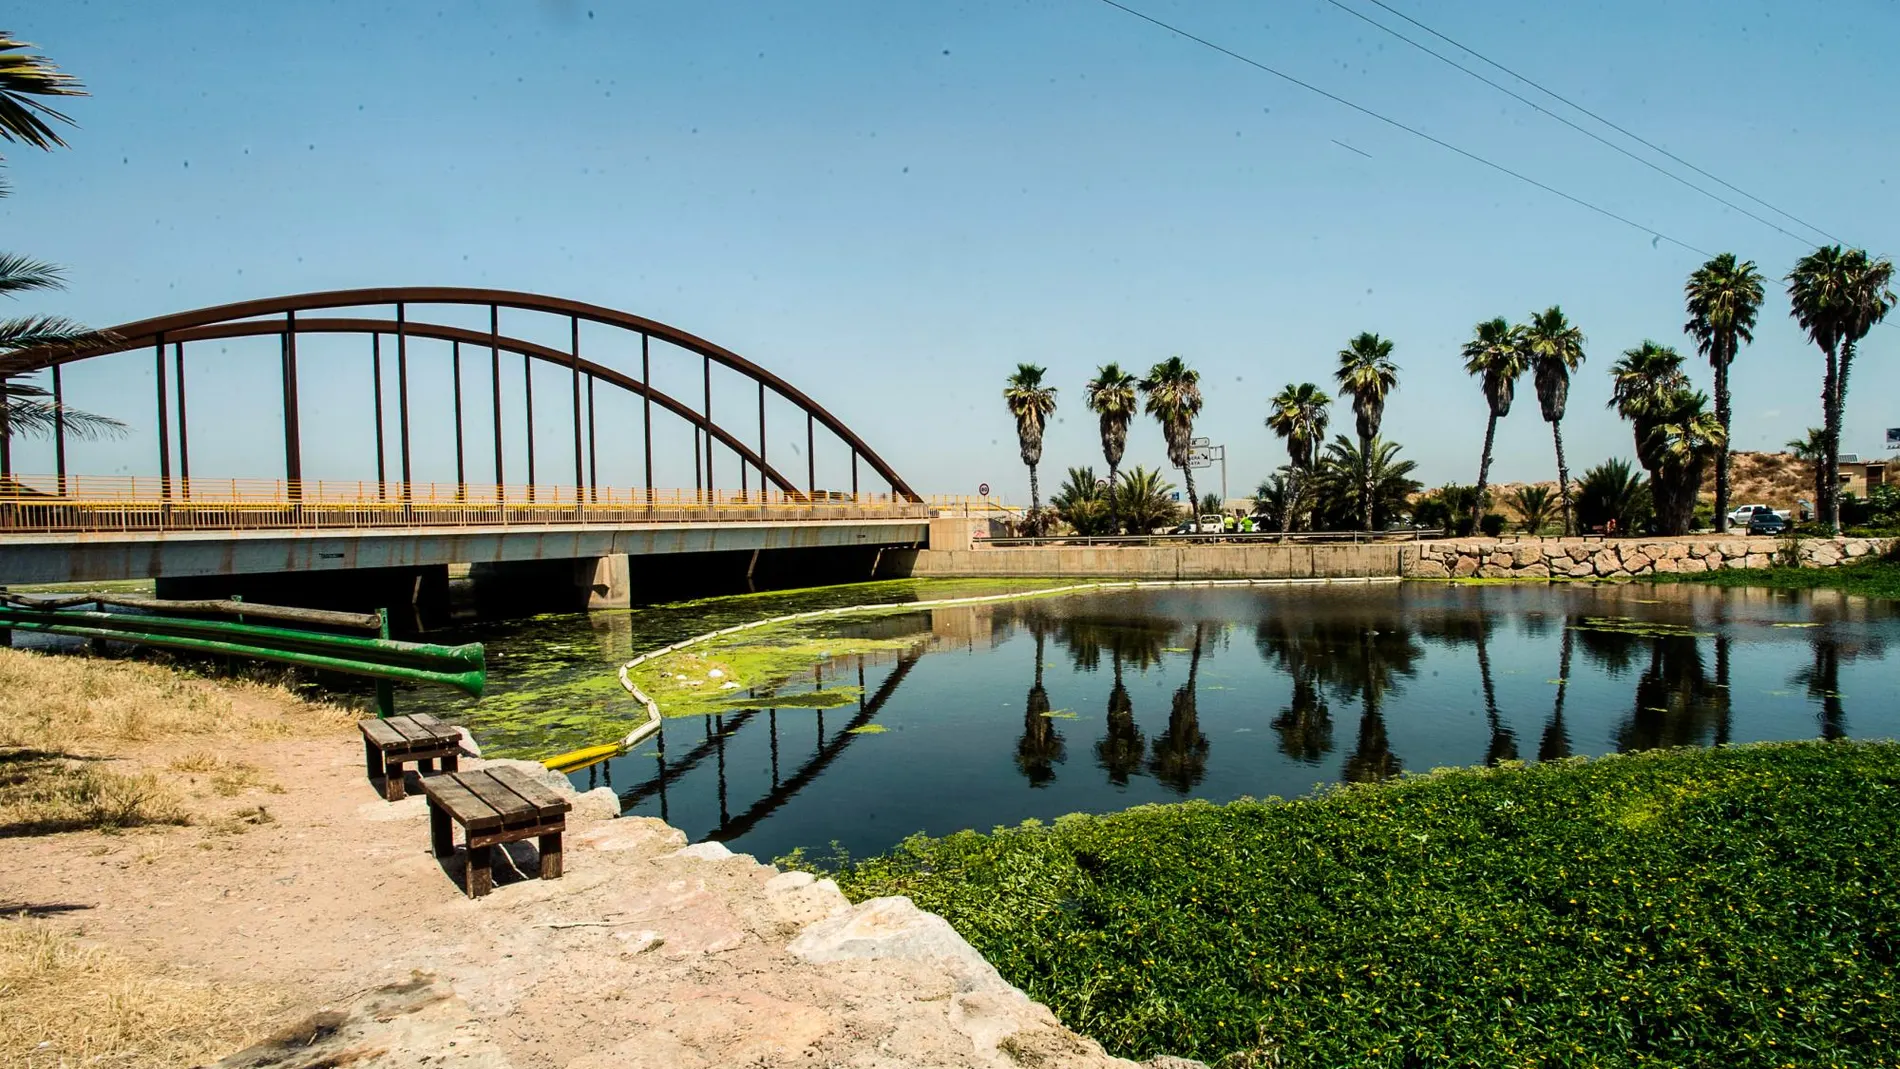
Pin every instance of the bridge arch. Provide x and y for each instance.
(285, 317)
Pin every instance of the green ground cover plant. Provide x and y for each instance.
(1869, 577)
(1722, 907)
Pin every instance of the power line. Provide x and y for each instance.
(1554, 95)
(1414, 131)
(1593, 135)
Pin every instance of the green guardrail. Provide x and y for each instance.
(383, 659)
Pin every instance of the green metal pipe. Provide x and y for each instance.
(378, 650)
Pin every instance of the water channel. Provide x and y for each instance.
(980, 715)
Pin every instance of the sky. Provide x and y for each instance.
(892, 205)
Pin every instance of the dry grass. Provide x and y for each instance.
(42, 793)
(63, 1004)
(60, 701)
(222, 774)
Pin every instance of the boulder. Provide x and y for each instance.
(1758, 560)
(1534, 571)
(895, 928)
(1857, 548)
(1606, 561)
(1580, 550)
(1466, 567)
(1666, 565)
(1582, 570)
(1692, 564)
(1635, 560)
(1494, 571)
(1428, 569)
(601, 803)
(1676, 551)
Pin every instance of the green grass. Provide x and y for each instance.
(1732, 907)
(1870, 577)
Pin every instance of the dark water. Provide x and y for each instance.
(1097, 702)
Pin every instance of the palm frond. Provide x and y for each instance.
(55, 333)
(19, 273)
(24, 76)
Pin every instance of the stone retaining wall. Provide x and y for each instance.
(1618, 558)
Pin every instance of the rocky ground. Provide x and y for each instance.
(647, 953)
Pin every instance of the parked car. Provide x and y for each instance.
(1745, 514)
(1767, 522)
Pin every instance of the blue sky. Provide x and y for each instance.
(893, 204)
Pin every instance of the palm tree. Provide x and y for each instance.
(1534, 504)
(1687, 437)
(1344, 472)
(1174, 399)
(1643, 385)
(1497, 354)
(1142, 501)
(1041, 748)
(1837, 295)
(1111, 396)
(1178, 756)
(1556, 348)
(1082, 503)
(1812, 450)
(1299, 416)
(1612, 491)
(1366, 371)
(1723, 296)
(1031, 403)
(25, 80)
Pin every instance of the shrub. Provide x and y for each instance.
(1492, 525)
(1730, 907)
(1612, 491)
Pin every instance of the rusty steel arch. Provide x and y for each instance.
(280, 316)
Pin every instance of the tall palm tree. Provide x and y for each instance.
(1556, 348)
(1111, 396)
(1174, 399)
(1299, 415)
(1032, 404)
(1366, 371)
(1496, 353)
(1178, 756)
(1041, 748)
(1837, 295)
(1687, 438)
(25, 81)
(1722, 296)
(1642, 386)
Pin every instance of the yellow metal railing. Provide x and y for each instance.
(150, 503)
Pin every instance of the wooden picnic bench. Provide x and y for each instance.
(494, 806)
(390, 743)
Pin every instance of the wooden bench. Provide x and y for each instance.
(494, 806)
(389, 744)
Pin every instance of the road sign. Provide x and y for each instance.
(1200, 443)
(1200, 460)
(1176, 495)
(983, 488)
(1893, 437)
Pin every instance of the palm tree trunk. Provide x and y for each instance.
(1365, 479)
(1290, 495)
(1484, 474)
(1114, 509)
(1826, 480)
(1035, 492)
(1563, 474)
(1194, 503)
(1722, 417)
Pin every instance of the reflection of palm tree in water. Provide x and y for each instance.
(1555, 745)
(1180, 753)
(1822, 680)
(1503, 744)
(1676, 702)
(1305, 725)
(1382, 655)
(1040, 748)
(1119, 752)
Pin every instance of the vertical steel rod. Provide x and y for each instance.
(293, 436)
(574, 323)
(461, 457)
(402, 395)
(59, 428)
(494, 356)
(164, 425)
(854, 472)
(761, 440)
(708, 414)
(699, 466)
(527, 396)
(184, 430)
(376, 371)
(811, 457)
(646, 396)
(593, 456)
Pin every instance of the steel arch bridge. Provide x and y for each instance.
(298, 316)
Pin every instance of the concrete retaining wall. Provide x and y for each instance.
(1528, 558)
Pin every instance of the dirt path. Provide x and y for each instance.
(327, 902)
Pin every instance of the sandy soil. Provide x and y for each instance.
(331, 907)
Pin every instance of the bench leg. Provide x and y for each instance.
(392, 780)
(551, 856)
(441, 838)
(372, 758)
(479, 877)
(451, 762)
(425, 766)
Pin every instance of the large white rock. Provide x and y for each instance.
(896, 928)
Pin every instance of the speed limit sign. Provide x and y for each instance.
(984, 489)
